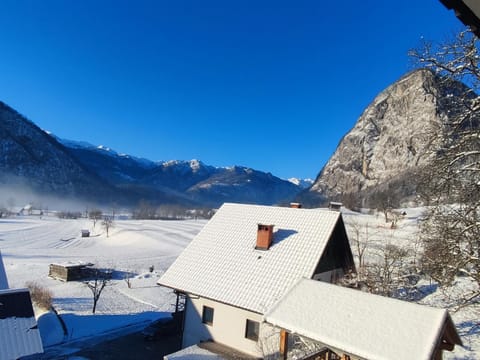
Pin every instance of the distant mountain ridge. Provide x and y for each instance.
(192, 181)
(74, 169)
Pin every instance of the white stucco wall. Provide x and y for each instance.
(329, 276)
(228, 326)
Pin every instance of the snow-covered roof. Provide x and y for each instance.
(193, 352)
(361, 324)
(221, 263)
(73, 264)
(3, 275)
(19, 334)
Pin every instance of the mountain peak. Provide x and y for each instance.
(392, 138)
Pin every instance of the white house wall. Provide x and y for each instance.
(329, 276)
(228, 326)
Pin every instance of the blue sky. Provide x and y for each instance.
(271, 85)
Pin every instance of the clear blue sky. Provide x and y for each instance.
(271, 85)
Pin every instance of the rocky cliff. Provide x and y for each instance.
(392, 140)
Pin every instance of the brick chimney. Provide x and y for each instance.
(295, 205)
(264, 236)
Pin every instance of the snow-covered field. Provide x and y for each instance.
(29, 244)
(373, 229)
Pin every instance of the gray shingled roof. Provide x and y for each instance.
(3, 275)
(221, 262)
(19, 334)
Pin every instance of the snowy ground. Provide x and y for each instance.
(29, 244)
(373, 229)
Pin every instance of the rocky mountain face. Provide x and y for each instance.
(391, 142)
(51, 166)
(32, 158)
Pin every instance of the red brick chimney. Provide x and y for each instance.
(294, 205)
(264, 236)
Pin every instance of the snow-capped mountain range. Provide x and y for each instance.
(74, 169)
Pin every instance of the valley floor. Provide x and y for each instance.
(30, 244)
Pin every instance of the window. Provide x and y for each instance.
(207, 315)
(252, 330)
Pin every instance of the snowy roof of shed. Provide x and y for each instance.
(19, 333)
(73, 264)
(3, 275)
(222, 264)
(361, 324)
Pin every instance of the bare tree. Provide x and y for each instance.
(128, 278)
(451, 230)
(389, 273)
(11, 204)
(359, 237)
(107, 223)
(100, 279)
(95, 215)
(145, 211)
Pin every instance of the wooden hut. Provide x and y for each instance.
(70, 271)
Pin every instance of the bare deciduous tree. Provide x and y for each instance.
(388, 274)
(99, 281)
(451, 230)
(95, 215)
(360, 240)
(107, 223)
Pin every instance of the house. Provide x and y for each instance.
(468, 11)
(244, 260)
(358, 325)
(19, 334)
(30, 210)
(336, 206)
(70, 271)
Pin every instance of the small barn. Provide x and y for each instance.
(336, 206)
(70, 271)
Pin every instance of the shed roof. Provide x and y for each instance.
(19, 334)
(361, 324)
(3, 275)
(221, 262)
(73, 264)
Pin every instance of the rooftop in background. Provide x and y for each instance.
(468, 11)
